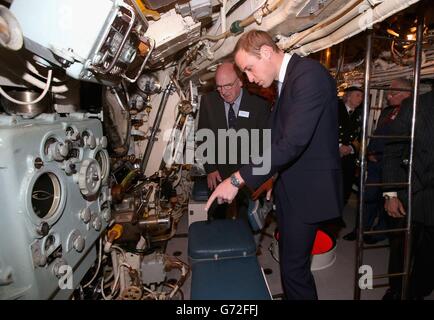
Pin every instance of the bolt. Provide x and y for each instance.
(106, 214)
(43, 229)
(85, 215)
(97, 223)
(79, 243)
(38, 163)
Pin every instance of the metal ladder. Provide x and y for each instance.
(363, 167)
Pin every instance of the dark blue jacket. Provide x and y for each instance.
(304, 148)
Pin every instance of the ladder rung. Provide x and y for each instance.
(378, 246)
(392, 39)
(389, 137)
(385, 231)
(390, 89)
(387, 184)
(389, 275)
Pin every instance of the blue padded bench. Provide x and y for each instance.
(224, 262)
(222, 238)
(229, 279)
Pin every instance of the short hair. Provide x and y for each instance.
(404, 83)
(235, 67)
(353, 88)
(252, 41)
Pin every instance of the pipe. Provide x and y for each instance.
(366, 102)
(340, 61)
(261, 12)
(154, 221)
(41, 96)
(258, 14)
(223, 26)
(157, 123)
(417, 66)
(223, 15)
(355, 26)
(279, 16)
(347, 12)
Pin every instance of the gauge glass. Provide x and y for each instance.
(46, 195)
(148, 84)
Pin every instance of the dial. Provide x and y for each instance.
(149, 84)
(89, 177)
(137, 101)
(46, 194)
(104, 163)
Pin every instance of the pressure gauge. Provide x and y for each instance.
(89, 177)
(137, 101)
(149, 84)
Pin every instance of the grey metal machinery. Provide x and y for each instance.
(55, 202)
(93, 41)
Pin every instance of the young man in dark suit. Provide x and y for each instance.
(304, 152)
(230, 107)
(395, 169)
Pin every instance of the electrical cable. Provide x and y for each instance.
(41, 96)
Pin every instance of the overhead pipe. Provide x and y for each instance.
(355, 26)
(239, 25)
(279, 15)
(335, 21)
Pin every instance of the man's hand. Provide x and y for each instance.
(213, 179)
(225, 192)
(345, 150)
(394, 207)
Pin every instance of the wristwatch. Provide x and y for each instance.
(235, 182)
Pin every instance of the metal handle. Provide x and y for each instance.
(132, 80)
(118, 52)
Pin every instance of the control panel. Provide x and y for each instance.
(55, 203)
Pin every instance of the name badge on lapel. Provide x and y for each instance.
(244, 114)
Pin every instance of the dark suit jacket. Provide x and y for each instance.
(349, 125)
(304, 147)
(212, 116)
(397, 151)
(376, 145)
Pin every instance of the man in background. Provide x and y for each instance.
(399, 90)
(395, 170)
(230, 107)
(350, 120)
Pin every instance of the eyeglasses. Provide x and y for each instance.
(226, 86)
(393, 93)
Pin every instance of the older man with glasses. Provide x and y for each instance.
(230, 107)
